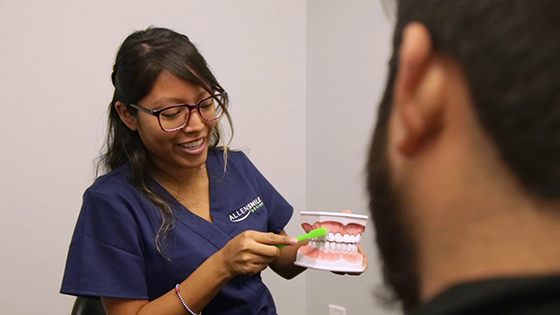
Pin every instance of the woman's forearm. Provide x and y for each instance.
(197, 291)
(284, 265)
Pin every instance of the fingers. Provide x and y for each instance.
(279, 241)
(255, 268)
(248, 244)
(272, 239)
(251, 251)
(250, 268)
(250, 263)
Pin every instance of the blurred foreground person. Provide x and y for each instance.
(464, 168)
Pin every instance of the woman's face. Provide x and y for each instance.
(180, 150)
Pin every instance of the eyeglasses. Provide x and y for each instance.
(177, 116)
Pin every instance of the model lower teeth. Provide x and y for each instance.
(334, 246)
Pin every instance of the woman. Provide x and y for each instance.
(177, 224)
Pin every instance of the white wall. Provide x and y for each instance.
(294, 70)
(56, 61)
(347, 53)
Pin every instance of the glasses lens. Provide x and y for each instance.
(174, 117)
(212, 108)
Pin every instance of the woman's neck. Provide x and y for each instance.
(183, 181)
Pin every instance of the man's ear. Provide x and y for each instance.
(418, 90)
(126, 116)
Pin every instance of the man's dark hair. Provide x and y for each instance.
(509, 51)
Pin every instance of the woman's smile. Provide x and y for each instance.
(194, 147)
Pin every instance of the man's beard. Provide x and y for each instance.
(393, 236)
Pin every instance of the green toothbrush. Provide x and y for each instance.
(320, 232)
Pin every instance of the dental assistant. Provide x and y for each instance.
(178, 224)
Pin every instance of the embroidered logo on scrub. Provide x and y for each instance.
(244, 212)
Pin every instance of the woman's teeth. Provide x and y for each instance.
(193, 144)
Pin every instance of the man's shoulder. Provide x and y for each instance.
(521, 296)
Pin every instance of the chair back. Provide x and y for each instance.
(88, 306)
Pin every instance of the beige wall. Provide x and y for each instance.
(347, 53)
(56, 61)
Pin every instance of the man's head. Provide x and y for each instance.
(471, 112)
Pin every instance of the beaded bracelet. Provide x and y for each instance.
(183, 301)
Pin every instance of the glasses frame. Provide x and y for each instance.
(190, 107)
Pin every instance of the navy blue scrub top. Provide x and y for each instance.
(113, 251)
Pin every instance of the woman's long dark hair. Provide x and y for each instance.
(141, 58)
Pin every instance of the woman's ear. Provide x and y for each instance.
(126, 116)
(418, 90)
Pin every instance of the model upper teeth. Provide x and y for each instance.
(193, 144)
(339, 238)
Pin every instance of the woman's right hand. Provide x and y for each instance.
(251, 252)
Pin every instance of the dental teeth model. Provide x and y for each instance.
(338, 250)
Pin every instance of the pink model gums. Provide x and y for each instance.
(338, 250)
